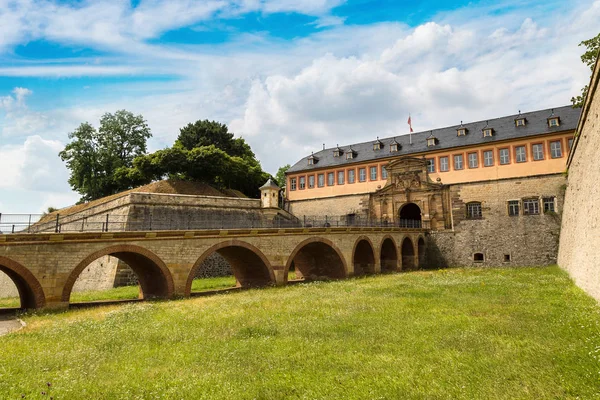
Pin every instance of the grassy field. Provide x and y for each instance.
(525, 333)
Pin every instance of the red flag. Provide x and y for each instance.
(410, 124)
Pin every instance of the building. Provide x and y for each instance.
(491, 191)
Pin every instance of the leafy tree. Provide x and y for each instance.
(95, 156)
(206, 133)
(280, 177)
(588, 58)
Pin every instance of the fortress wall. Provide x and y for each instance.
(579, 252)
(332, 206)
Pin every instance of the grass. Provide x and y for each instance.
(511, 333)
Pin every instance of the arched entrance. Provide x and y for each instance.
(421, 250)
(410, 216)
(317, 259)
(364, 258)
(155, 280)
(408, 255)
(249, 265)
(31, 294)
(388, 256)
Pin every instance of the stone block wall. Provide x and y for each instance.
(332, 206)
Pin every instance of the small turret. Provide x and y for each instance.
(269, 193)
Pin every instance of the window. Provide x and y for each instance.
(383, 172)
(293, 184)
(504, 156)
(570, 143)
(330, 178)
(555, 149)
(362, 174)
(553, 122)
(311, 161)
(394, 147)
(377, 145)
(478, 257)
(373, 172)
(513, 208)
(349, 155)
(337, 152)
(311, 181)
(444, 164)
(520, 122)
(488, 158)
(549, 204)
(520, 154)
(341, 177)
(531, 207)
(473, 160)
(461, 132)
(538, 151)
(458, 161)
(351, 177)
(488, 132)
(431, 141)
(474, 210)
(431, 165)
(302, 182)
(507, 258)
(321, 180)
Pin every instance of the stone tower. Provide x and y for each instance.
(269, 195)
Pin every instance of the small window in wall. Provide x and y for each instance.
(373, 172)
(394, 147)
(431, 141)
(293, 184)
(461, 132)
(444, 164)
(520, 122)
(349, 155)
(351, 176)
(473, 160)
(488, 132)
(556, 149)
(341, 176)
(362, 174)
(474, 210)
(538, 151)
(504, 156)
(458, 161)
(553, 122)
(531, 207)
(302, 182)
(513, 208)
(488, 158)
(478, 257)
(520, 154)
(549, 204)
(383, 172)
(330, 178)
(507, 258)
(321, 180)
(431, 165)
(311, 181)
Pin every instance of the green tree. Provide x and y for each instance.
(98, 159)
(206, 133)
(280, 177)
(588, 58)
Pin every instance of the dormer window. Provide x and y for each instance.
(520, 122)
(312, 160)
(488, 132)
(349, 155)
(431, 141)
(338, 152)
(377, 145)
(461, 132)
(553, 122)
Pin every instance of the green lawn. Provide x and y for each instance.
(525, 333)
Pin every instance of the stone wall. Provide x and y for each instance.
(501, 239)
(579, 252)
(332, 206)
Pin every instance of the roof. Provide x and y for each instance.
(503, 128)
(269, 185)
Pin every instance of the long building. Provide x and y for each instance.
(491, 191)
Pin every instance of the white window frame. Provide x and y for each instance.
(293, 183)
(373, 173)
(384, 173)
(504, 151)
(311, 181)
(491, 158)
(444, 166)
(473, 162)
(320, 180)
(431, 165)
(362, 174)
(351, 176)
(302, 183)
(531, 206)
(553, 149)
(330, 178)
(520, 157)
(538, 150)
(459, 162)
(341, 177)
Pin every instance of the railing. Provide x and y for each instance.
(29, 223)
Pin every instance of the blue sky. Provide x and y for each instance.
(287, 75)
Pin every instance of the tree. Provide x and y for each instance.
(206, 133)
(95, 156)
(280, 177)
(588, 58)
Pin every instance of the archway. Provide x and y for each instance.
(410, 216)
(317, 259)
(249, 265)
(155, 280)
(388, 256)
(408, 255)
(30, 292)
(421, 252)
(364, 257)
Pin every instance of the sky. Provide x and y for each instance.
(286, 75)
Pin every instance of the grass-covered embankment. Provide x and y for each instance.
(452, 334)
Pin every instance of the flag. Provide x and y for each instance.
(410, 124)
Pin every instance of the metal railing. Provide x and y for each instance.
(30, 223)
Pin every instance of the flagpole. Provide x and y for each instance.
(410, 129)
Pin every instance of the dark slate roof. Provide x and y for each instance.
(504, 128)
(269, 185)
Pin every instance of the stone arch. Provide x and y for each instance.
(153, 275)
(30, 291)
(408, 254)
(363, 256)
(316, 258)
(421, 251)
(410, 216)
(388, 255)
(250, 266)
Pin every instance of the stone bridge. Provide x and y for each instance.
(44, 267)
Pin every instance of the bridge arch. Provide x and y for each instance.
(315, 258)
(388, 254)
(363, 256)
(153, 275)
(250, 266)
(408, 254)
(30, 291)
